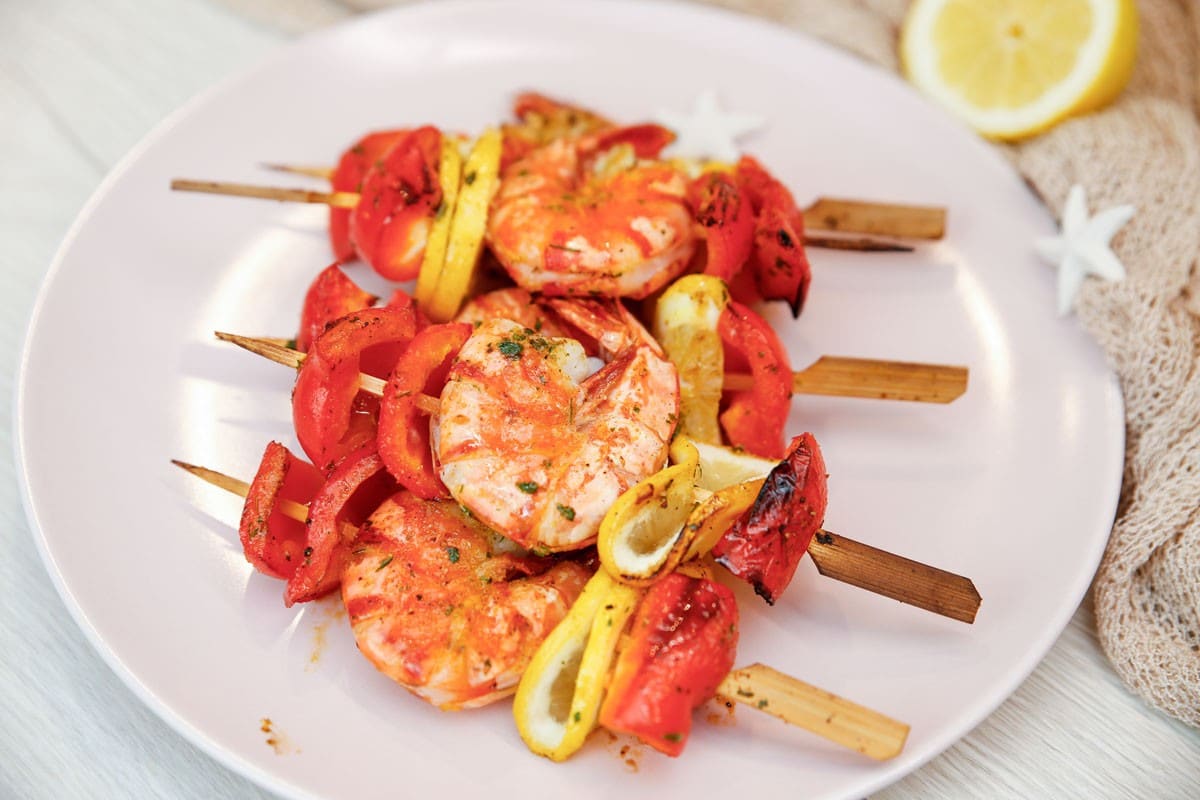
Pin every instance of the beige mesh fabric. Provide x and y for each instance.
(1143, 150)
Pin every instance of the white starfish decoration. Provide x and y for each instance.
(706, 131)
(1083, 247)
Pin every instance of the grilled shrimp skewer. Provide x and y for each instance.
(404, 633)
(835, 555)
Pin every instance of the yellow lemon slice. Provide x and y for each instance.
(1013, 68)
(685, 324)
(558, 699)
(480, 179)
(643, 535)
(716, 514)
(450, 177)
(724, 466)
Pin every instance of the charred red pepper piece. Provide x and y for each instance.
(348, 176)
(272, 541)
(355, 488)
(728, 222)
(680, 647)
(404, 442)
(330, 296)
(331, 417)
(754, 419)
(400, 197)
(778, 261)
(766, 543)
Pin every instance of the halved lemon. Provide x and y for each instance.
(1013, 68)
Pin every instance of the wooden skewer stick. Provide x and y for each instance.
(289, 508)
(758, 686)
(894, 576)
(816, 710)
(829, 375)
(835, 555)
(281, 354)
(825, 214)
(840, 376)
(350, 200)
(876, 219)
(336, 199)
(860, 244)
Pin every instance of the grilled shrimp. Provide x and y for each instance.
(537, 443)
(439, 607)
(572, 218)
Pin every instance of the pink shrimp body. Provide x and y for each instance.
(536, 445)
(561, 226)
(436, 607)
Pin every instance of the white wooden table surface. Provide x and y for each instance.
(80, 83)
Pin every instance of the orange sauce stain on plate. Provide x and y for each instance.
(328, 612)
(629, 750)
(276, 740)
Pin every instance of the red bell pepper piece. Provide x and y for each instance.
(330, 296)
(647, 139)
(331, 417)
(404, 442)
(272, 541)
(348, 177)
(765, 545)
(379, 361)
(402, 300)
(778, 261)
(528, 104)
(728, 222)
(755, 419)
(355, 488)
(400, 197)
(680, 647)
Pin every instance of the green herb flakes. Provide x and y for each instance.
(510, 349)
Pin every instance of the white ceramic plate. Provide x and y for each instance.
(1014, 485)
